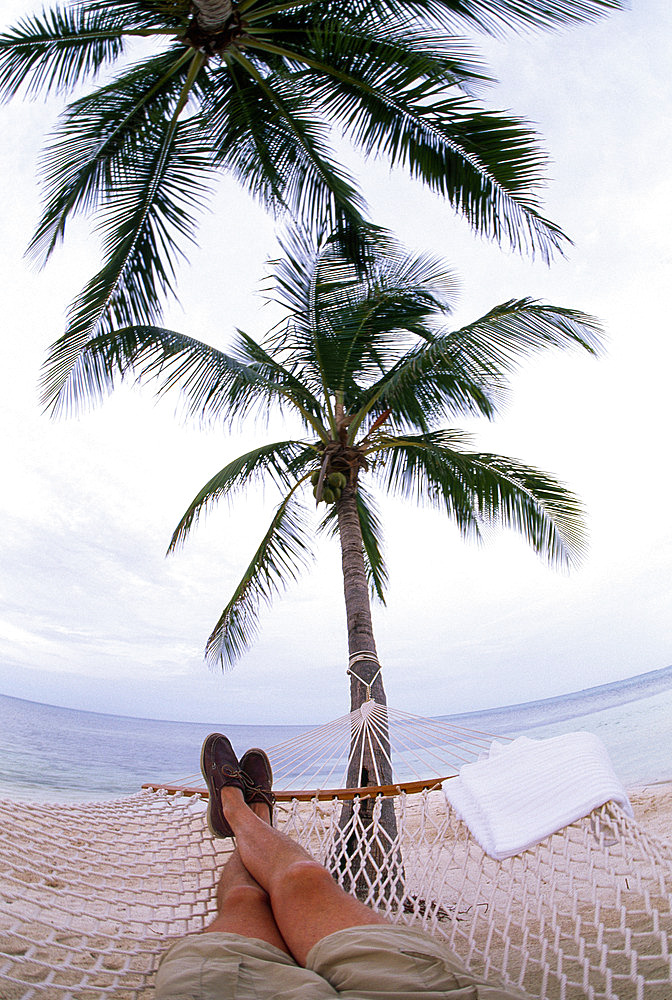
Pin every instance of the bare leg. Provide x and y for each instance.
(307, 904)
(243, 907)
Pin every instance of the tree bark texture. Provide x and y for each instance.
(357, 601)
(212, 16)
(368, 765)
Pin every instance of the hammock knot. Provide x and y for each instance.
(367, 708)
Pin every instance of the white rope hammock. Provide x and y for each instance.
(90, 893)
(422, 751)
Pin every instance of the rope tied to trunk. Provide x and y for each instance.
(363, 655)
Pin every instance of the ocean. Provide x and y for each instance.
(54, 754)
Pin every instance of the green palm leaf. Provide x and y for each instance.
(430, 469)
(157, 197)
(214, 385)
(350, 326)
(385, 47)
(283, 78)
(465, 371)
(285, 550)
(495, 15)
(482, 489)
(282, 382)
(521, 327)
(491, 16)
(97, 140)
(149, 14)
(280, 462)
(58, 49)
(264, 130)
(486, 165)
(534, 504)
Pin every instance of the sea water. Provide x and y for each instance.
(58, 753)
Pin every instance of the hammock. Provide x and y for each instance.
(90, 894)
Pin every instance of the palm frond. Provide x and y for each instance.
(347, 326)
(404, 50)
(372, 538)
(278, 462)
(416, 399)
(534, 504)
(487, 165)
(465, 372)
(175, 14)
(155, 200)
(214, 385)
(282, 382)
(96, 141)
(430, 469)
(495, 16)
(283, 553)
(479, 489)
(265, 131)
(314, 265)
(56, 50)
(519, 328)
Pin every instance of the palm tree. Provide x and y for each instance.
(364, 363)
(252, 87)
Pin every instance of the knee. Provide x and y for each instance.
(238, 897)
(306, 878)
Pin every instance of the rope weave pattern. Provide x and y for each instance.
(90, 894)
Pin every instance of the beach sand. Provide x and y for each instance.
(652, 805)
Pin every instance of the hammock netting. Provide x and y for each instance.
(92, 893)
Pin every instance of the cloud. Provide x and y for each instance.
(94, 616)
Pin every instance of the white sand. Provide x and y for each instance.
(652, 805)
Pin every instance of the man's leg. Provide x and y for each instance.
(243, 907)
(307, 903)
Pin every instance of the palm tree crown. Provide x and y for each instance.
(366, 365)
(253, 87)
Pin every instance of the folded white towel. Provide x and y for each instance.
(526, 790)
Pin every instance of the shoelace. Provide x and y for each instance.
(247, 782)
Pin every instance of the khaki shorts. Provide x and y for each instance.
(373, 962)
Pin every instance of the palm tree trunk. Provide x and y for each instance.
(369, 764)
(357, 604)
(212, 16)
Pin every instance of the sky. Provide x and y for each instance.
(92, 614)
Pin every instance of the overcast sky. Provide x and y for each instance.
(93, 615)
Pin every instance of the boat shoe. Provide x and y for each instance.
(220, 768)
(258, 778)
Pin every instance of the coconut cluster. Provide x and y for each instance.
(333, 486)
